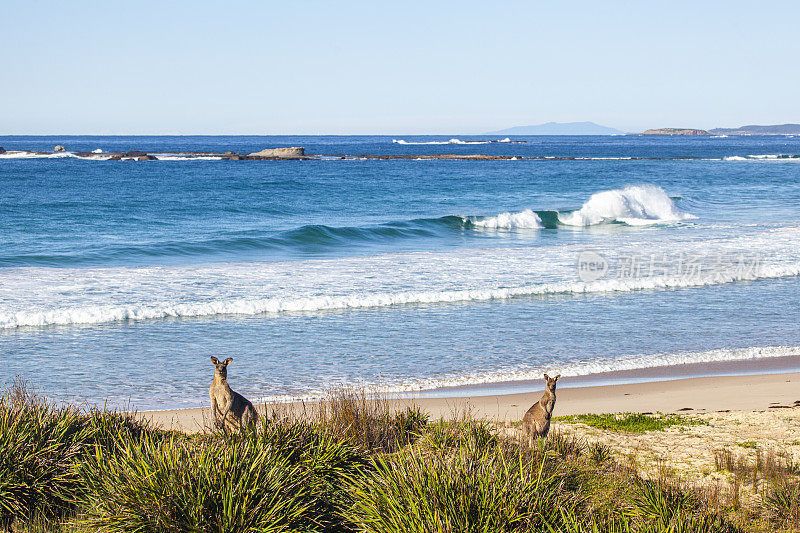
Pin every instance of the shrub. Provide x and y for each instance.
(325, 458)
(152, 484)
(39, 445)
(599, 453)
(472, 489)
(782, 502)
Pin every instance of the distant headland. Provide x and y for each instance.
(778, 129)
(590, 128)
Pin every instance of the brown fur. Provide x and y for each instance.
(230, 410)
(536, 422)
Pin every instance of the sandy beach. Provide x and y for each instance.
(746, 393)
(748, 417)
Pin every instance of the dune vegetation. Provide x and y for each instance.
(350, 464)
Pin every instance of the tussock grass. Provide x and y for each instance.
(782, 502)
(40, 443)
(632, 422)
(350, 464)
(152, 484)
(471, 485)
(364, 419)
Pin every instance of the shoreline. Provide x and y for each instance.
(750, 385)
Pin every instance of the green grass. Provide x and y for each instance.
(632, 422)
(40, 443)
(351, 465)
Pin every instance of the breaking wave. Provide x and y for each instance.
(450, 141)
(99, 314)
(764, 157)
(634, 205)
(527, 219)
(99, 155)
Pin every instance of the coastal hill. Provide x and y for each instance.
(559, 128)
(778, 129)
(675, 131)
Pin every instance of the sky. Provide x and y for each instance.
(411, 67)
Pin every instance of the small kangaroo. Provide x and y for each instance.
(536, 422)
(230, 409)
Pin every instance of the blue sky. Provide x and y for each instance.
(393, 67)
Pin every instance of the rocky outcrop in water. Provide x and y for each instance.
(675, 131)
(281, 153)
(59, 148)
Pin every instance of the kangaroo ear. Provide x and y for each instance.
(546, 377)
(556, 378)
(228, 361)
(214, 360)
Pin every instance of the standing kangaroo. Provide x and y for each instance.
(230, 409)
(536, 422)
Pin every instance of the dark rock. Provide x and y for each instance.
(59, 148)
(134, 153)
(115, 157)
(147, 158)
(2, 150)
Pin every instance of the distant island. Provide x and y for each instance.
(778, 129)
(559, 128)
(675, 131)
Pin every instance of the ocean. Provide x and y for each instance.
(118, 279)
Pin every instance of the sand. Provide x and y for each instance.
(748, 416)
(748, 393)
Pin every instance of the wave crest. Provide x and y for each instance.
(635, 205)
(527, 219)
(99, 314)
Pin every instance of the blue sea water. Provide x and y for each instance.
(119, 279)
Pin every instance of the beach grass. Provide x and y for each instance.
(358, 467)
(631, 422)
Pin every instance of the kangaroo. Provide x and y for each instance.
(230, 409)
(536, 422)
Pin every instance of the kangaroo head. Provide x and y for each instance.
(221, 369)
(551, 382)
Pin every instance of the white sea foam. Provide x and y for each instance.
(99, 155)
(410, 386)
(635, 205)
(451, 141)
(604, 158)
(25, 154)
(763, 157)
(187, 158)
(98, 314)
(527, 219)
